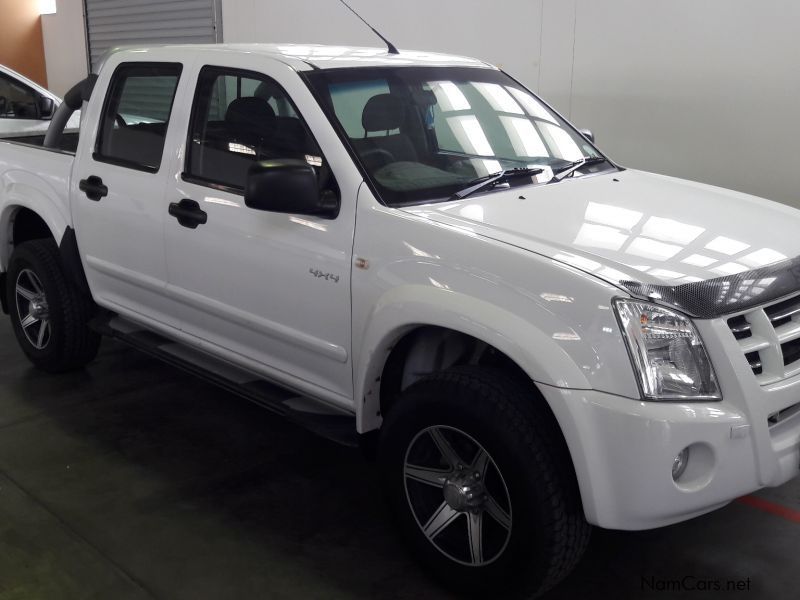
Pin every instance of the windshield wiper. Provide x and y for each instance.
(493, 179)
(574, 166)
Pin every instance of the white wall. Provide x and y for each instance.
(704, 90)
(64, 46)
(470, 27)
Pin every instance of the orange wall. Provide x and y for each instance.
(21, 45)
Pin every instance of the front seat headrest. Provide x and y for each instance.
(251, 115)
(383, 112)
(267, 90)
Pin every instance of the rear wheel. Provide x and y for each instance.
(481, 484)
(50, 317)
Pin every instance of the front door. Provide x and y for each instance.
(265, 289)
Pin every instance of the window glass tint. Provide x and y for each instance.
(424, 133)
(136, 115)
(16, 100)
(240, 118)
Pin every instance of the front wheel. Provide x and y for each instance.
(482, 484)
(50, 317)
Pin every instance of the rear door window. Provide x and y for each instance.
(136, 115)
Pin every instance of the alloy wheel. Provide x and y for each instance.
(32, 309)
(457, 495)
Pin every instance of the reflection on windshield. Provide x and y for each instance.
(423, 133)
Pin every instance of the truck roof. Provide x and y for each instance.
(304, 57)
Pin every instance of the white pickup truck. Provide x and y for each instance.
(414, 251)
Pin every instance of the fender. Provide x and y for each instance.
(555, 322)
(68, 248)
(25, 190)
(409, 306)
(21, 189)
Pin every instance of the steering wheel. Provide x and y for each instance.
(119, 120)
(378, 156)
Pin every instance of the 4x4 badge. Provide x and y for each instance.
(327, 276)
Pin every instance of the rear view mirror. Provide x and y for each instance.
(46, 107)
(587, 133)
(288, 186)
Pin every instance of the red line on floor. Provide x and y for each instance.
(774, 509)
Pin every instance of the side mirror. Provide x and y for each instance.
(46, 107)
(288, 186)
(587, 133)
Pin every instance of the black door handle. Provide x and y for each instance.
(188, 213)
(93, 187)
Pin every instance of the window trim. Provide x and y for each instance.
(37, 95)
(121, 162)
(212, 184)
(186, 174)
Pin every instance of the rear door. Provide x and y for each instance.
(267, 290)
(118, 188)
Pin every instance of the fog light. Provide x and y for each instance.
(680, 463)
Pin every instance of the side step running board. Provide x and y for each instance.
(322, 419)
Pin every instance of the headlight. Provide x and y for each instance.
(667, 352)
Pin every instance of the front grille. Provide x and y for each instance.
(769, 337)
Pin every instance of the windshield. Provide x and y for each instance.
(424, 133)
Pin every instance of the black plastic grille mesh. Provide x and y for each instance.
(724, 295)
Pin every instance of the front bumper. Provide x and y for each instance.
(623, 450)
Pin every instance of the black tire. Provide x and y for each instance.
(69, 343)
(547, 532)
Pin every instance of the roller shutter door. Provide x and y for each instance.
(111, 23)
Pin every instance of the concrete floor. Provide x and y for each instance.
(132, 480)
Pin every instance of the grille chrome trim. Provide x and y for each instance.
(786, 314)
(740, 328)
(770, 342)
(788, 332)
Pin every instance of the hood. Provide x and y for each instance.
(633, 226)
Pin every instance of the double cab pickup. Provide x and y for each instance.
(413, 252)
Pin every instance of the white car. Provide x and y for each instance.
(26, 107)
(413, 252)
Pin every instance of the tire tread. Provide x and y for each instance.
(78, 345)
(529, 421)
